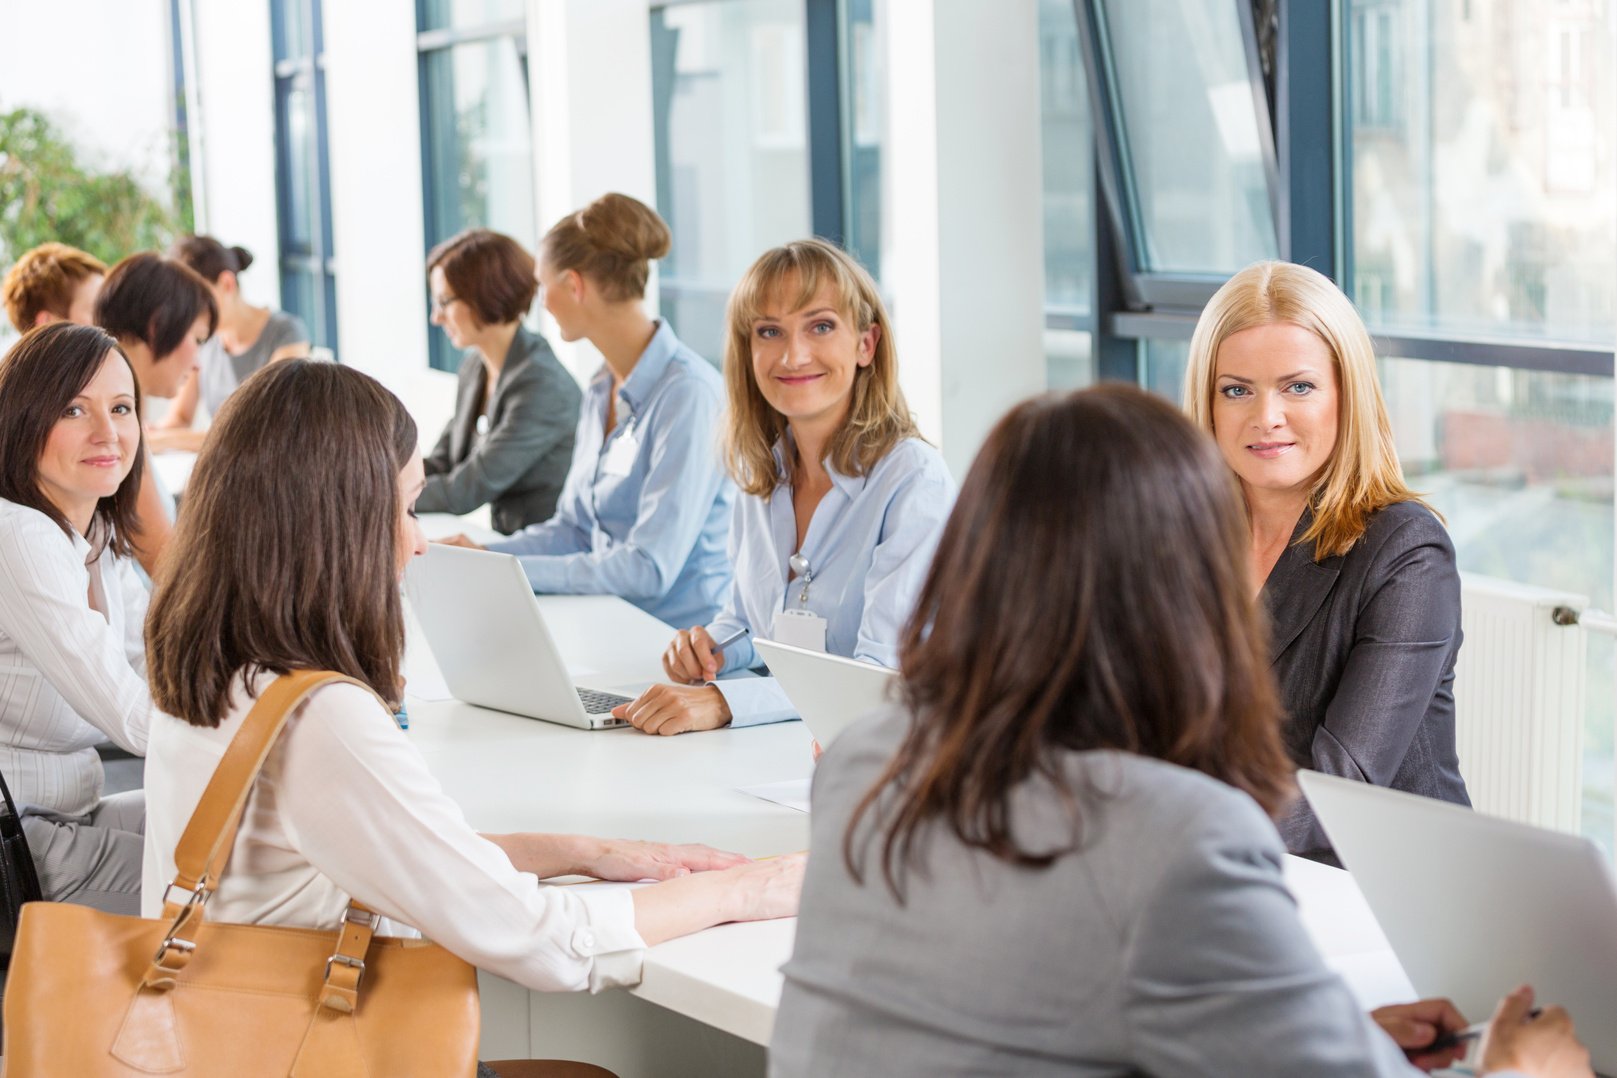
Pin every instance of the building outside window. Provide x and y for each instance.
(308, 266)
(1490, 214)
(476, 127)
(730, 113)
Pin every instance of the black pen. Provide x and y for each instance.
(1458, 1037)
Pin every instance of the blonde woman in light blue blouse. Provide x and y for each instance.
(841, 500)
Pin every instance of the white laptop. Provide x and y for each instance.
(484, 626)
(829, 692)
(1475, 905)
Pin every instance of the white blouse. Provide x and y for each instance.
(70, 675)
(345, 806)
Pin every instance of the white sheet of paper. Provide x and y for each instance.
(793, 793)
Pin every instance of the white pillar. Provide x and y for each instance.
(592, 121)
(234, 129)
(373, 121)
(964, 222)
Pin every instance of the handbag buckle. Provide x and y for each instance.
(368, 918)
(347, 960)
(195, 897)
(183, 946)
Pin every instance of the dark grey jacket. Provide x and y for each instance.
(1364, 647)
(519, 465)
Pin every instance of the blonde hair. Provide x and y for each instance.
(1363, 475)
(878, 417)
(612, 241)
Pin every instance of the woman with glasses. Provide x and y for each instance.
(842, 499)
(511, 438)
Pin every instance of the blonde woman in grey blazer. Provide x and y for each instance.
(1357, 574)
(1054, 855)
(510, 442)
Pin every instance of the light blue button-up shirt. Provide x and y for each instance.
(868, 545)
(645, 509)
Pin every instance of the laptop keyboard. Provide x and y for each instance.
(599, 703)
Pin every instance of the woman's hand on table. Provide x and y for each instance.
(459, 539)
(691, 658)
(764, 890)
(755, 891)
(631, 859)
(676, 709)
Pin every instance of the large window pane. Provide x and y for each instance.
(462, 14)
(1520, 463)
(1189, 135)
(300, 145)
(864, 125)
(732, 156)
(1484, 167)
(479, 148)
(1069, 168)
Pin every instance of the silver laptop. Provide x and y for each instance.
(829, 692)
(484, 626)
(1474, 905)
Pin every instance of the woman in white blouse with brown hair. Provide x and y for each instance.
(306, 575)
(71, 607)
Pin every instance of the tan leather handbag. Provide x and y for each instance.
(93, 994)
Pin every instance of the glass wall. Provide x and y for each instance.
(729, 110)
(1067, 139)
(476, 130)
(1190, 142)
(1484, 199)
(302, 171)
(864, 120)
(1483, 157)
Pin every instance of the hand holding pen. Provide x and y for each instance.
(693, 658)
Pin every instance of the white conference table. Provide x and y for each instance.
(716, 992)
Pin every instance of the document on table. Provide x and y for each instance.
(793, 793)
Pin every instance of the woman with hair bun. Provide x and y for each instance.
(646, 507)
(511, 438)
(248, 337)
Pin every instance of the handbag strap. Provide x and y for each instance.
(28, 876)
(205, 845)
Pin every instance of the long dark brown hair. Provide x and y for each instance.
(39, 378)
(286, 550)
(1089, 592)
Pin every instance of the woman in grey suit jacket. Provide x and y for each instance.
(511, 440)
(1357, 573)
(1055, 857)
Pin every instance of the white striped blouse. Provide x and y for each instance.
(72, 661)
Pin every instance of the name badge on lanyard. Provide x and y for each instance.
(800, 628)
(621, 454)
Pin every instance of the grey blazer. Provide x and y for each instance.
(519, 464)
(1364, 647)
(1167, 944)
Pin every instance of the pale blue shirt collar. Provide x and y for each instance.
(846, 485)
(648, 370)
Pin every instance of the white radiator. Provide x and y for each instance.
(1518, 701)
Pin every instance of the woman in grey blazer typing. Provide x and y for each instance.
(1054, 855)
(1357, 574)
